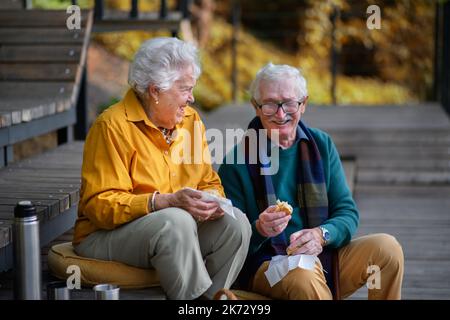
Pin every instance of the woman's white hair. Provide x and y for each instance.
(159, 62)
(278, 72)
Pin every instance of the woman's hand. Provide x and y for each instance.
(271, 223)
(306, 241)
(189, 200)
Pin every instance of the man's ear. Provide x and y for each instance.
(303, 106)
(153, 91)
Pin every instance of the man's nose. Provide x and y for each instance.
(280, 112)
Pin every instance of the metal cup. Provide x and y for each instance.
(106, 292)
(58, 290)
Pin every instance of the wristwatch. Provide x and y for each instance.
(325, 235)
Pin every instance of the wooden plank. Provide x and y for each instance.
(115, 20)
(30, 90)
(350, 173)
(408, 191)
(7, 212)
(28, 109)
(11, 4)
(63, 198)
(403, 177)
(406, 152)
(38, 71)
(11, 173)
(5, 233)
(40, 53)
(405, 207)
(37, 18)
(52, 205)
(51, 188)
(6, 118)
(29, 36)
(398, 163)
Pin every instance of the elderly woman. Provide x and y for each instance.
(133, 205)
(312, 180)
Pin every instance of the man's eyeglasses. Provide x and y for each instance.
(271, 108)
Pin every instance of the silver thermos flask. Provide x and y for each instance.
(27, 255)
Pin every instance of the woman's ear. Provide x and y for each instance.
(153, 92)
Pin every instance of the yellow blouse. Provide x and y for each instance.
(126, 159)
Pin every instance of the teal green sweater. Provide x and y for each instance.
(344, 216)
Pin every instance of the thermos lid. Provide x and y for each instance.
(24, 209)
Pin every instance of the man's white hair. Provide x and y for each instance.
(278, 72)
(159, 62)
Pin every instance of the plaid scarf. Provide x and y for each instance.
(311, 192)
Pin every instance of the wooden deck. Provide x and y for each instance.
(402, 185)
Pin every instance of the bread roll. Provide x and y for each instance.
(284, 206)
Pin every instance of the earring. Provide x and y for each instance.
(157, 101)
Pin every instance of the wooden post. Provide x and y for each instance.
(333, 18)
(445, 72)
(134, 9)
(183, 6)
(82, 125)
(163, 9)
(437, 53)
(98, 10)
(236, 17)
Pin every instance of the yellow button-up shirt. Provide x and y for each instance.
(126, 159)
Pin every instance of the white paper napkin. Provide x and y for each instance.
(225, 204)
(279, 266)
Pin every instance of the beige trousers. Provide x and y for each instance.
(191, 259)
(375, 260)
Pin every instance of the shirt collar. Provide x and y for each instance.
(135, 111)
(300, 135)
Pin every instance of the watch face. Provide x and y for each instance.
(325, 234)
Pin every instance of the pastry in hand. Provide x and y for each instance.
(284, 207)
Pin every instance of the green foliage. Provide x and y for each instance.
(60, 4)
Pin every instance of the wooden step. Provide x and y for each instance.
(38, 18)
(114, 20)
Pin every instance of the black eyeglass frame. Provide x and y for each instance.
(279, 105)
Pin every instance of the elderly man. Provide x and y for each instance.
(134, 207)
(310, 177)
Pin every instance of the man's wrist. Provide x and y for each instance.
(162, 201)
(259, 229)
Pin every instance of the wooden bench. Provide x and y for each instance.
(52, 181)
(42, 90)
(42, 77)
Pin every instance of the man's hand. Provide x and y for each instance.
(306, 241)
(271, 223)
(189, 200)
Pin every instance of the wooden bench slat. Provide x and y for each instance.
(64, 199)
(27, 90)
(38, 18)
(7, 212)
(40, 53)
(11, 4)
(72, 193)
(41, 36)
(38, 71)
(52, 205)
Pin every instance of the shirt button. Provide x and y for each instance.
(166, 152)
(174, 174)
